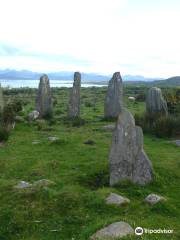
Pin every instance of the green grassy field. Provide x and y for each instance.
(74, 208)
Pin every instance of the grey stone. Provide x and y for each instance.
(33, 115)
(177, 142)
(35, 142)
(23, 185)
(153, 198)
(155, 103)
(128, 161)
(44, 98)
(74, 100)
(132, 99)
(53, 139)
(43, 183)
(114, 97)
(116, 199)
(113, 231)
(109, 127)
(1, 99)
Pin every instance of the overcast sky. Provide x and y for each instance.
(139, 37)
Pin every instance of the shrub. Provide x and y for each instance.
(17, 105)
(173, 101)
(141, 97)
(75, 121)
(8, 116)
(167, 126)
(41, 124)
(4, 134)
(88, 104)
(161, 126)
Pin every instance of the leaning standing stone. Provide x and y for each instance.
(74, 101)
(155, 103)
(1, 99)
(44, 98)
(128, 161)
(114, 97)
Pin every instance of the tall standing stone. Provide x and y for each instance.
(44, 98)
(1, 99)
(128, 161)
(74, 100)
(155, 103)
(114, 97)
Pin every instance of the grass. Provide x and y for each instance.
(75, 208)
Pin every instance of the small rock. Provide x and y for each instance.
(109, 127)
(89, 142)
(33, 115)
(53, 139)
(132, 99)
(153, 198)
(116, 199)
(36, 142)
(23, 185)
(43, 183)
(113, 231)
(177, 142)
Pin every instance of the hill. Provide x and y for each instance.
(65, 75)
(170, 82)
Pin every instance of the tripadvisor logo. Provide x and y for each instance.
(139, 231)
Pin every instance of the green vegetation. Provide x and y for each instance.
(75, 208)
(157, 124)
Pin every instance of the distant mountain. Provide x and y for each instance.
(170, 82)
(173, 81)
(65, 75)
(15, 75)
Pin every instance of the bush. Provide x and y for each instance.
(167, 127)
(4, 134)
(161, 126)
(173, 101)
(141, 97)
(75, 121)
(88, 104)
(17, 105)
(41, 124)
(8, 116)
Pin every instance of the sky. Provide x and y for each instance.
(136, 37)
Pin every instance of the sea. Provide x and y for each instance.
(54, 83)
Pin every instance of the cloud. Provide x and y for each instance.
(7, 50)
(104, 35)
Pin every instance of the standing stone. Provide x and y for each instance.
(128, 161)
(155, 103)
(1, 99)
(114, 97)
(44, 98)
(74, 101)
